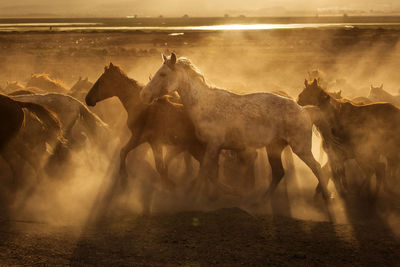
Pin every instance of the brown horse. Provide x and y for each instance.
(364, 132)
(162, 123)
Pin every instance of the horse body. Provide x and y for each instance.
(163, 123)
(226, 120)
(70, 112)
(240, 121)
(33, 127)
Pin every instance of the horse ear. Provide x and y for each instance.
(305, 82)
(164, 57)
(173, 58)
(105, 68)
(80, 78)
(315, 82)
(111, 65)
(340, 93)
(381, 86)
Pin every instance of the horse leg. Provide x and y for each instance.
(380, 171)
(248, 158)
(188, 164)
(133, 142)
(161, 165)
(208, 173)
(274, 151)
(303, 151)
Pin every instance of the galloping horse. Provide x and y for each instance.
(224, 120)
(159, 124)
(364, 132)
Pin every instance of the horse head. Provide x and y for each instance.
(105, 85)
(312, 94)
(164, 81)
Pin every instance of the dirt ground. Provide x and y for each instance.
(228, 237)
(222, 234)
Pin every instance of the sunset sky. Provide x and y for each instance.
(192, 7)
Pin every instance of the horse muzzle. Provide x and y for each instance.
(89, 102)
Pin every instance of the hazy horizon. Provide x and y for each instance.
(176, 8)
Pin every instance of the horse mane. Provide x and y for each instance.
(14, 85)
(21, 92)
(42, 79)
(190, 68)
(120, 71)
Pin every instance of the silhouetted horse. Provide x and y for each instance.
(364, 132)
(162, 123)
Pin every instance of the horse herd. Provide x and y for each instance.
(177, 109)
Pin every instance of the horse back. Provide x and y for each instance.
(170, 121)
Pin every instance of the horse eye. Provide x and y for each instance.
(163, 74)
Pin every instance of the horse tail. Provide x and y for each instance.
(48, 118)
(92, 122)
(53, 130)
(288, 162)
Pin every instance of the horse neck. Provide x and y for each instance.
(128, 93)
(191, 90)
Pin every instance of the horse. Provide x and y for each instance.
(225, 120)
(46, 83)
(72, 113)
(377, 94)
(28, 129)
(163, 123)
(108, 111)
(365, 132)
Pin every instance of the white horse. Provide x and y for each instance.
(224, 120)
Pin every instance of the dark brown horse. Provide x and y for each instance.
(363, 132)
(161, 123)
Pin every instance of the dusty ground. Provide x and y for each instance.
(226, 237)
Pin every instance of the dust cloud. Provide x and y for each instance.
(348, 60)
